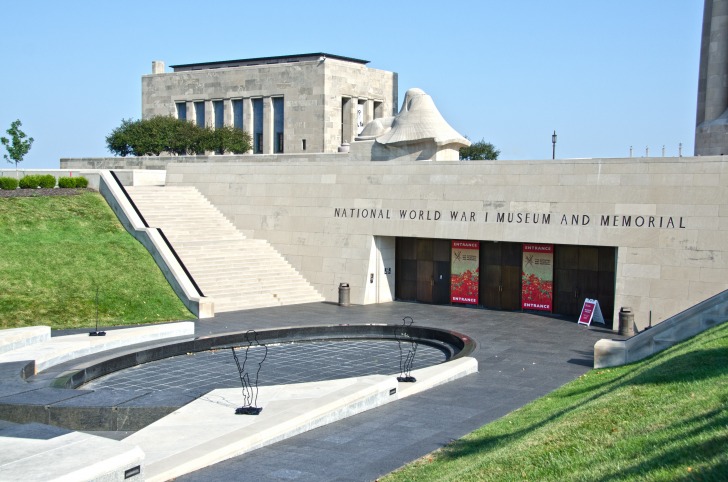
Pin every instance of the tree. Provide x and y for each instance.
(479, 151)
(227, 139)
(165, 134)
(17, 146)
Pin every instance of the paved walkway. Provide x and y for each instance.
(521, 357)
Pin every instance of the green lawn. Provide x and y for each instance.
(662, 419)
(56, 251)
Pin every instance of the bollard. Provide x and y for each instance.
(626, 322)
(344, 294)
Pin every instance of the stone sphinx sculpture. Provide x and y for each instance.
(418, 132)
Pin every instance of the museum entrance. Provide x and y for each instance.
(582, 272)
(423, 272)
(500, 275)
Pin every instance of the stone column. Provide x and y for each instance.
(227, 112)
(267, 125)
(248, 120)
(209, 113)
(190, 111)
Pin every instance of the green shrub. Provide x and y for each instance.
(29, 182)
(34, 181)
(69, 182)
(66, 182)
(8, 183)
(47, 181)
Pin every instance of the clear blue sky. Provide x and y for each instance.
(606, 75)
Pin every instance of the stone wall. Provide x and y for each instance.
(161, 162)
(336, 222)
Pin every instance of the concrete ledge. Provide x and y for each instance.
(435, 375)
(15, 338)
(63, 348)
(688, 323)
(207, 431)
(36, 452)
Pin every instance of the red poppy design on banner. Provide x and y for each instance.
(537, 285)
(465, 272)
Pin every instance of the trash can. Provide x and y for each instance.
(626, 322)
(344, 294)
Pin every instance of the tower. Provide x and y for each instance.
(711, 131)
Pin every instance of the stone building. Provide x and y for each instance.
(293, 104)
(711, 132)
(649, 233)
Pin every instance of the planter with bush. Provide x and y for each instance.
(34, 181)
(8, 183)
(72, 182)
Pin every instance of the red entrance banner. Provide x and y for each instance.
(465, 272)
(537, 277)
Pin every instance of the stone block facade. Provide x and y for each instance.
(338, 222)
(316, 98)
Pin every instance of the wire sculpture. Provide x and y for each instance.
(406, 361)
(97, 332)
(250, 388)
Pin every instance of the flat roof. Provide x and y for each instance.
(264, 61)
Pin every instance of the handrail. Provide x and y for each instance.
(179, 260)
(128, 198)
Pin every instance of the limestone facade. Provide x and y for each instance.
(665, 218)
(315, 102)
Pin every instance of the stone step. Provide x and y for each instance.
(205, 265)
(211, 256)
(197, 216)
(193, 240)
(238, 280)
(280, 291)
(235, 306)
(222, 241)
(243, 271)
(223, 258)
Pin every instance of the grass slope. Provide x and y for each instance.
(664, 418)
(55, 252)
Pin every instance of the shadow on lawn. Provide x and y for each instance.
(703, 439)
(696, 365)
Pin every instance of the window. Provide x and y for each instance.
(200, 114)
(346, 120)
(181, 110)
(238, 113)
(257, 126)
(218, 111)
(278, 124)
(360, 107)
(378, 110)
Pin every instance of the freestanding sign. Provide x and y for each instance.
(537, 277)
(464, 272)
(590, 312)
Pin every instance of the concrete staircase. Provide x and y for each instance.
(238, 273)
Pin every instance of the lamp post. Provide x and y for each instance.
(553, 142)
